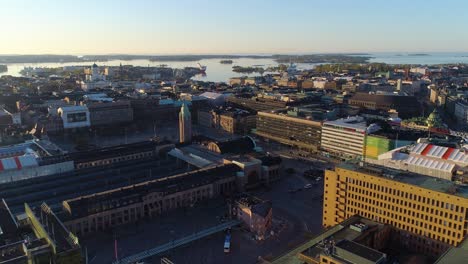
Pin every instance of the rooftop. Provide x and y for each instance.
(360, 250)
(236, 146)
(114, 151)
(256, 205)
(427, 182)
(354, 122)
(321, 244)
(396, 100)
(98, 202)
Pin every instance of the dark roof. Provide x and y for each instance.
(114, 151)
(256, 205)
(262, 209)
(85, 205)
(360, 250)
(268, 160)
(395, 100)
(237, 146)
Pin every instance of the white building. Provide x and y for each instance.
(22, 161)
(427, 159)
(74, 116)
(345, 138)
(95, 75)
(86, 86)
(420, 70)
(94, 79)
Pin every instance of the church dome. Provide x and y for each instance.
(434, 120)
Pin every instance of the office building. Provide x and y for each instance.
(257, 103)
(294, 131)
(229, 119)
(406, 106)
(382, 141)
(155, 109)
(345, 138)
(74, 116)
(110, 113)
(461, 113)
(433, 208)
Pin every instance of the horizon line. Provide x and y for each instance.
(227, 53)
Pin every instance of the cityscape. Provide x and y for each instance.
(126, 138)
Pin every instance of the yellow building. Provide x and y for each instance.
(364, 241)
(432, 208)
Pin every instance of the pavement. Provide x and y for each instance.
(300, 212)
(149, 233)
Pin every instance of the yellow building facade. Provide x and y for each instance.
(431, 208)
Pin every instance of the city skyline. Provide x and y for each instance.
(231, 27)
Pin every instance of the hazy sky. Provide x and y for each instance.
(231, 26)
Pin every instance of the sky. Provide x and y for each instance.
(231, 26)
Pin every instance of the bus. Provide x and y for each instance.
(227, 243)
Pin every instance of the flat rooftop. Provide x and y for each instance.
(114, 151)
(351, 122)
(360, 250)
(423, 181)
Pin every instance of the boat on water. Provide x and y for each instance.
(201, 67)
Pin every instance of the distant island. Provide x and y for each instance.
(418, 54)
(3, 68)
(322, 58)
(312, 58)
(241, 69)
(226, 61)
